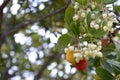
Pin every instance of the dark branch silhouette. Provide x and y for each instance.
(25, 24)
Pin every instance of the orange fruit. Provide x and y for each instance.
(70, 57)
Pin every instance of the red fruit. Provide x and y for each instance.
(105, 42)
(82, 65)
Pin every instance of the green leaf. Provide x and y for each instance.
(88, 20)
(110, 48)
(116, 70)
(116, 8)
(107, 66)
(104, 74)
(69, 13)
(75, 28)
(97, 33)
(109, 1)
(82, 2)
(96, 62)
(118, 51)
(63, 41)
(115, 63)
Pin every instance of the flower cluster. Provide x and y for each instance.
(81, 12)
(99, 20)
(89, 50)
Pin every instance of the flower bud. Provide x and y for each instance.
(71, 48)
(105, 28)
(99, 54)
(83, 14)
(93, 16)
(76, 7)
(92, 24)
(66, 50)
(96, 26)
(75, 17)
(88, 10)
(104, 15)
(93, 6)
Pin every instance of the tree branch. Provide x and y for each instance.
(1, 20)
(23, 25)
(44, 66)
(4, 4)
(1, 10)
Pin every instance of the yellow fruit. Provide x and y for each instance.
(98, 77)
(70, 57)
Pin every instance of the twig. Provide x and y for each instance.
(4, 4)
(44, 66)
(23, 25)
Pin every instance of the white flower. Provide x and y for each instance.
(93, 6)
(111, 30)
(66, 50)
(76, 6)
(104, 15)
(115, 20)
(92, 24)
(71, 48)
(78, 57)
(88, 10)
(84, 49)
(99, 54)
(83, 14)
(111, 14)
(105, 28)
(99, 48)
(75, 17)
(87, 52)
(93, 16)
(76, 3)
(110, 23)
(96, 26)
(98, 20)
(93, 55)
(77, 60)
(93, 46)
(99, 43)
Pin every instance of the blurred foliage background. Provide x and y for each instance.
(29, 30)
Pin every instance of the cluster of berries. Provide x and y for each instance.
(79, 57)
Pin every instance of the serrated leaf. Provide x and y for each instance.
(109, 1)
(63, 41)
(104, 74)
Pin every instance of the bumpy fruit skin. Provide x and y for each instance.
(70, 57)
(82, 65)
(98, 77)
(105, 42)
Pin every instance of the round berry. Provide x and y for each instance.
(82, 65)
(70, 57)
(105, 42)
